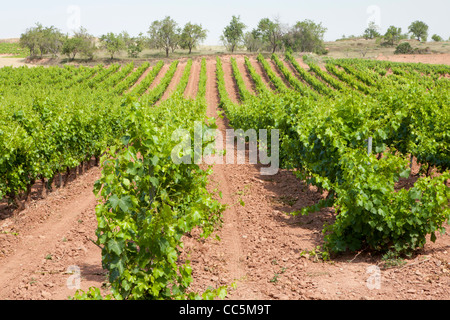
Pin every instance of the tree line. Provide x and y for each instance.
(164, 34)
(416, 30)
(273, 35)
(269, 35)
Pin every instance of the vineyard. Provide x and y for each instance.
(13, 49)
(364, 154)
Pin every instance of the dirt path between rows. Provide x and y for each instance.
(158, 77)
(46, 250)
(302, 63)
(245, 74)
(297, 75)
(139, 80)
(173, 82)
(260, 70)
(192, 86)
(279, 73)
(230, 83)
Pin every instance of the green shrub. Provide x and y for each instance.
(403, 48)
(436, 38)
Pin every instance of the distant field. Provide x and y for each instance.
(13, 49)
(370, 49)
(439, 52)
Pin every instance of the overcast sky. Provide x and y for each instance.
(346, 17)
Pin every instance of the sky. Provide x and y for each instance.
(345, 17)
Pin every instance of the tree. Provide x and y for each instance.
(164, 34)
(252, 41)
(233, 34)
(80, 43)
(392, 35)
(52, 41)
(271, 33)
(364, 52)
(306, 36)
(192, 35)
(44, 39)
(372, 31)
(30, 39)
(403, 48)
(71, 47)
(419, 30)
(176, 40)
(87, 45)
(134, 45)
(113, 43)
(436, 38)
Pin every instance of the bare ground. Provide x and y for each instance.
(278, 73)
(174, 81)
(46, 247)
(192, 86)
(260, 70)
(12, 62)
(245, 74)
(229, 79)
(443, 58)
(139, 80)
(158, 77)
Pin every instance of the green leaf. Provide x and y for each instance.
(125, 203)
(154, 181)
(116, 269)
(414, 194)
(132, 168)
(154, 160)
(114, 200)
(125, 140)
(433, 237)
(115, 246)
(405, 173)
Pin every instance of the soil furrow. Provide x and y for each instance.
(173, 82)
(302, 63)
(142, 77)
(250, 85)
(294, 72)
(230, 232)
(53, 237)
(192, 87)
(230, 83)
(259, 69)
(278, 73)
(158, 77)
